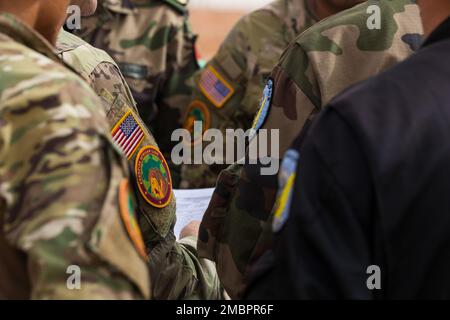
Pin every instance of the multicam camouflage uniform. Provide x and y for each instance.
(241, 67)
(153, 44)
(327, 58)
(175, 269)
(64, 195)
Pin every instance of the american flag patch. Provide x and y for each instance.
(128, 134)
(214, 87)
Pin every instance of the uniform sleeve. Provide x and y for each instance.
(62, 180)
(323, 249)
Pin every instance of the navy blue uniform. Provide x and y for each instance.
(372, 187)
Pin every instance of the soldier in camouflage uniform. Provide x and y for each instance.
(241, 67)
(65, 200)
(175, 269)
(152, 42)
(324, 60)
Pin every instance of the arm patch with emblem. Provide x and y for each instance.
(179, 5)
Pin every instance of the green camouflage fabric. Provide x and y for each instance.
(152, 42)
(244, 61)
(325, 59)
(175, 269)
(61, 182)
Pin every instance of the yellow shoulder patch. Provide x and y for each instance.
(215, 87)
(153, 177)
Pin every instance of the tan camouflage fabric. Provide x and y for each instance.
(152, 42)
(176, 271)
(244, 61)
(62, 201)
(325, 59)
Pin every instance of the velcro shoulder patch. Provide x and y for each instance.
(179, 5)
(197, 112)
(265, 105)
(153, 177)
(133, 71)
(128, 215)
(286, 182)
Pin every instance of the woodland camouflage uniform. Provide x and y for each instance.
(327, 58)
(175, 268)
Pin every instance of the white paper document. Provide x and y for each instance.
(191, 205)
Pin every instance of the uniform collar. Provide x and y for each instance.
(439, 34)
(11, 26)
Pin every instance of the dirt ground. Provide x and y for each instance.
(212, 27)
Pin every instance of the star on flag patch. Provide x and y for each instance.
(128, 134)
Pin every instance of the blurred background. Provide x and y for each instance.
(213, 19)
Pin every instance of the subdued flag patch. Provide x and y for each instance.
(215, 87)
(128, 214)
(127, 134)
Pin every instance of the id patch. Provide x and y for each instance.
(264, 108)
(197, 111)
(128, 134)
(215, 87)
(153, 177)
(286, 182)
(128, 215)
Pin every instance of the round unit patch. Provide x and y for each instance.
(127, 213)
(286, 182)
(197, 112)
(153, 177)
(266, 102)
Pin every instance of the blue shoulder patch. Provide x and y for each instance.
(265, 104)
(286, 179)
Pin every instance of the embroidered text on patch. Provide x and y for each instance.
(128, 134)
(153, 177)
(214, 87)
(197, 111)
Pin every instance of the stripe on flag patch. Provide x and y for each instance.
(128, 134)
(214, 87)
